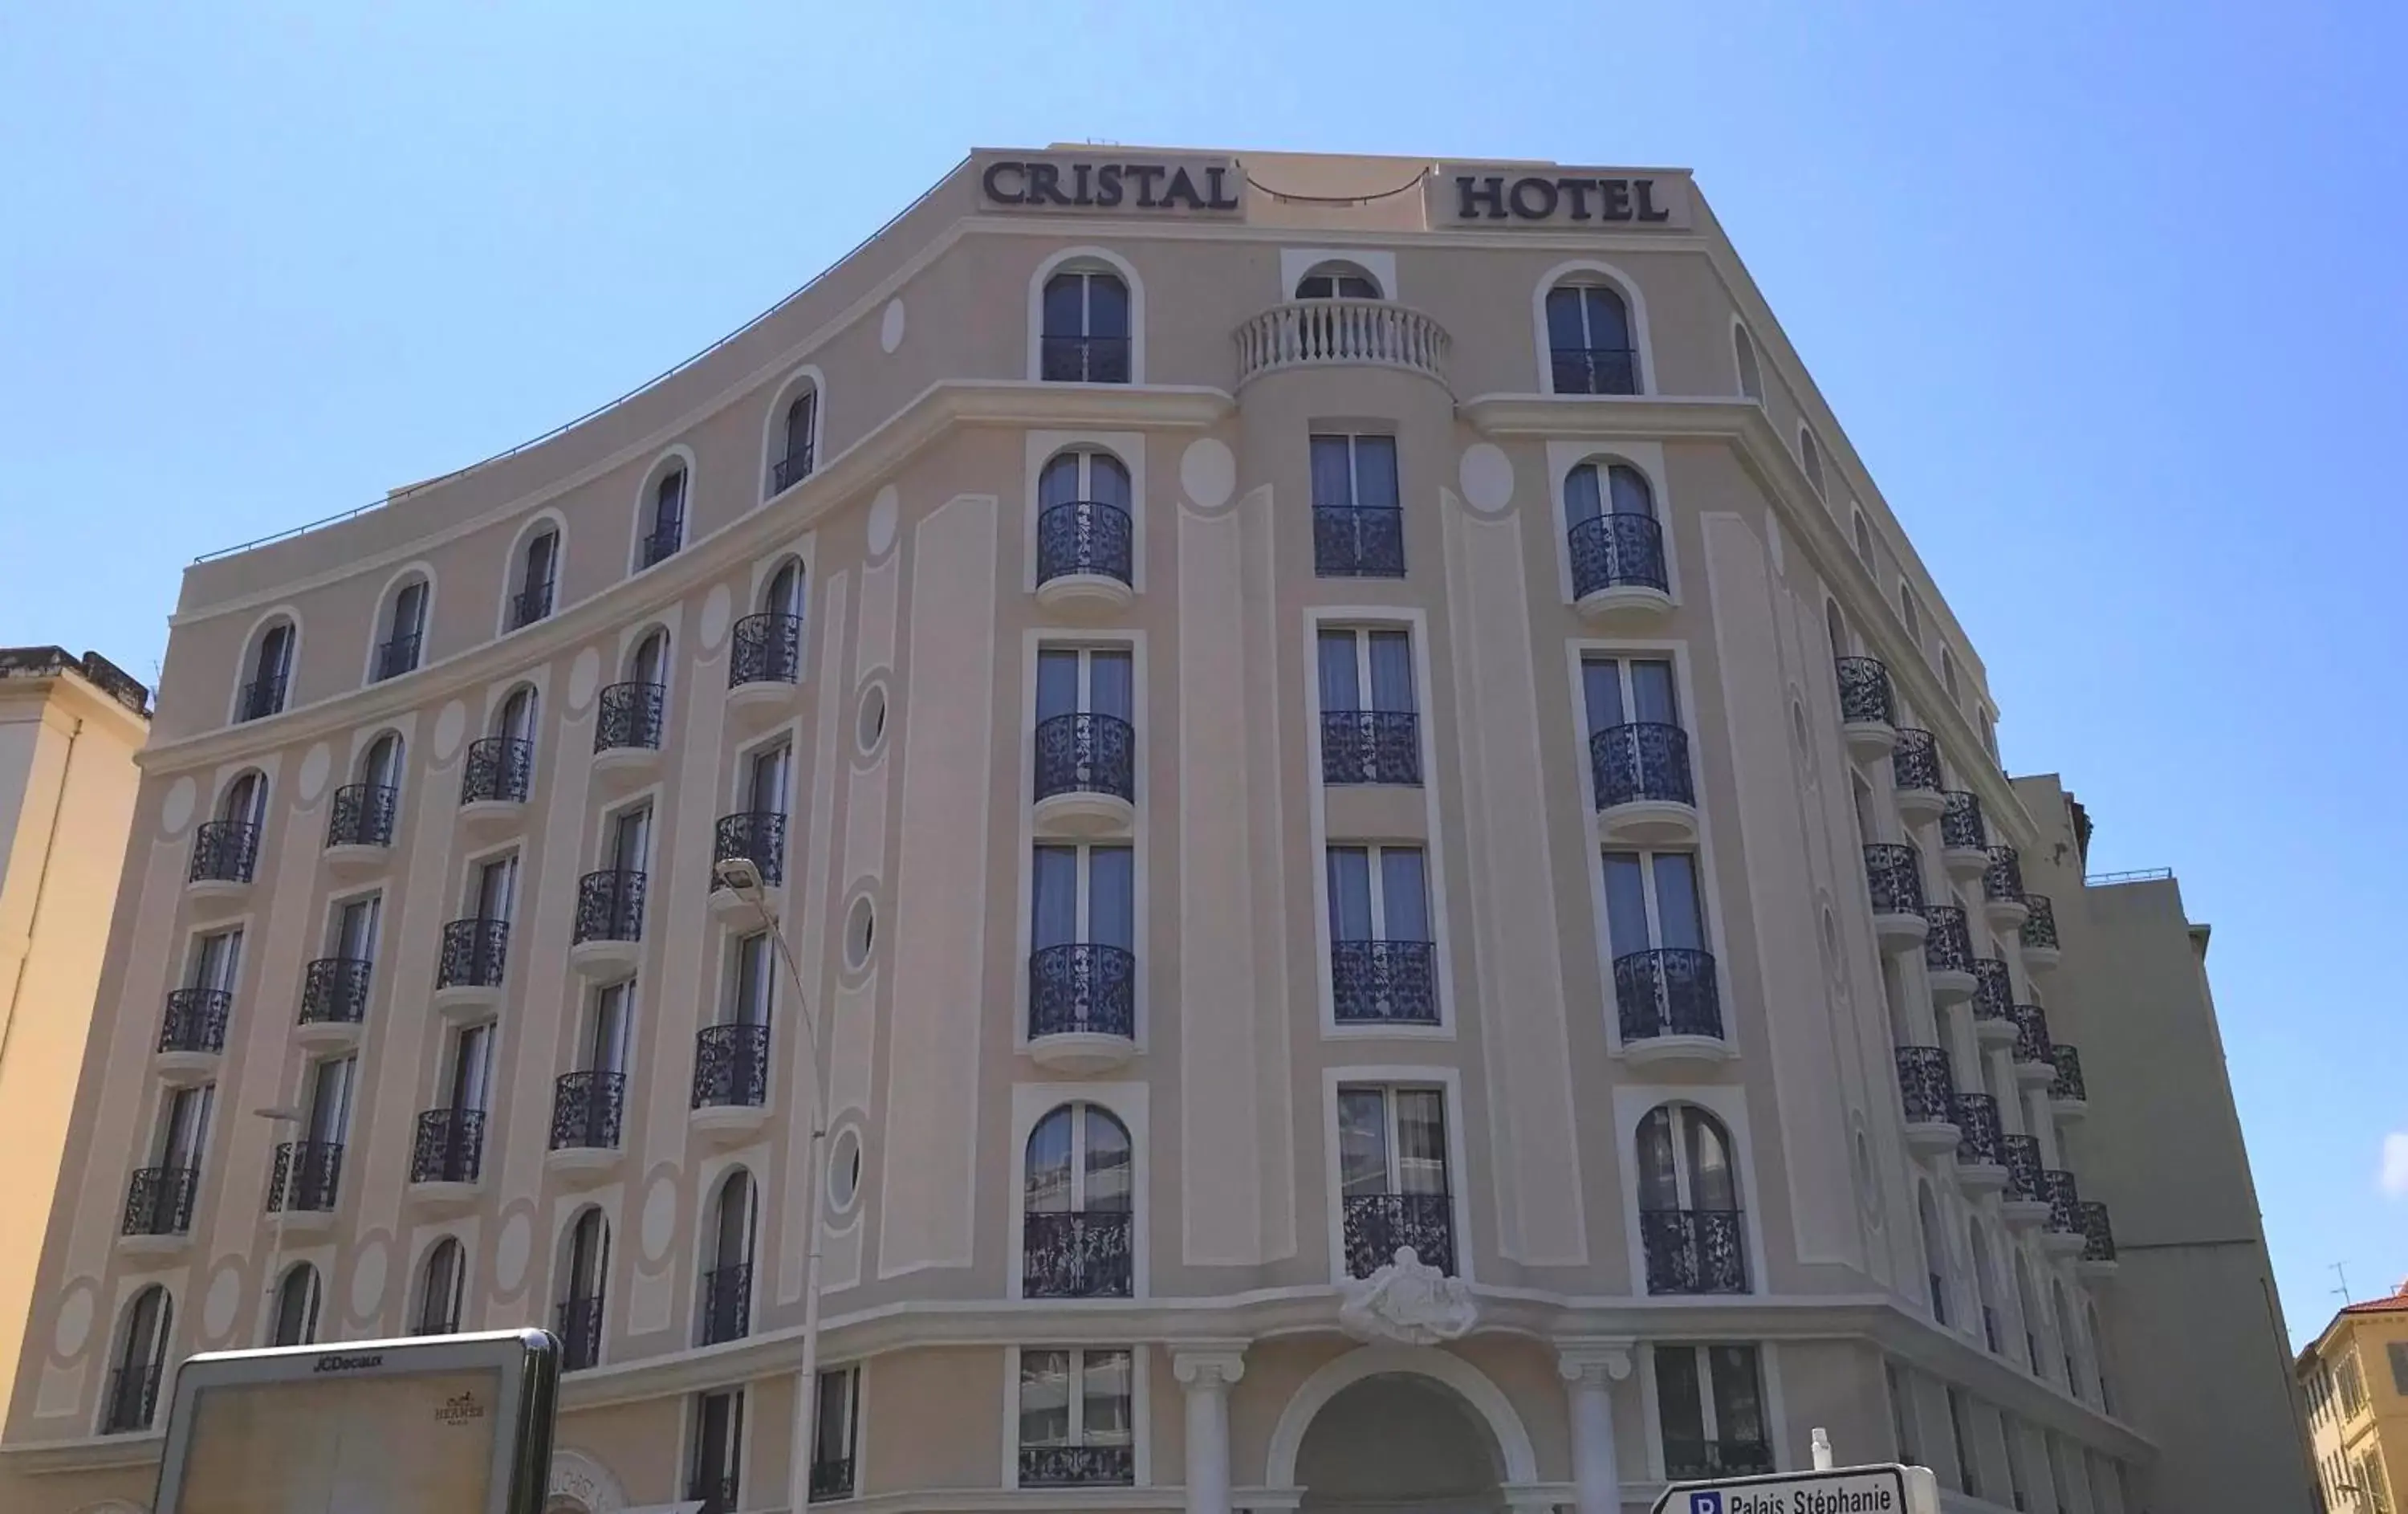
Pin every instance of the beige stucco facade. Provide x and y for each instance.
(1670, 1183)
(2352, 1381)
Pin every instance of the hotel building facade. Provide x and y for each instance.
(1382, 881)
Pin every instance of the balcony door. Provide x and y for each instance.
(1084, 681)
(1072, 478)
(1709, 1406)
(1684, 1160)
(1366, 670)
(606, 1037)
(1651, 902)
(516, 721)
(1613, 489)
(1079, 1162)
(355, 928)
(1084, 895)
(1377, 893)
(751, 980)
(409, 623)
(472, 1054)
(275, 664)
(1626, 692)
(535, 583)
(718, 1449)
(382, 768)
(216, 959)
(767, 775)
(329, 1099)
(631, 836)
(498, 884)
(184, 1127)
(651, 663)
(1391, 1140)
(245, 803)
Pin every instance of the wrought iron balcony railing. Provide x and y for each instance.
(586, 1109)
(1593, 370)
(306, 1177)
(1978, 1131)
(1667, 990)
(1864, 691)
(758, 836)
(609, 906)
(530, 605)
(1375, 1225)
(1694, 1250)
(1084, 537)
(1395, 982)
(498, 770)
(2098, 1236)
(1081, 989)
(831, 1477)
(159, 1201)
(2039, 929)
(1927, 1086)
(363, 815)
(579, 1322)
(1640, 762)
(195, 1021)
(335, 990)
(133, 1399)
(2002, 880)
(1948, 944)
(1960, 822)
(1358, 542)
(1993, 991)
(1894, 878)
(2068, 1084)
(1077, 1467)
(726, 1304)
(791, 469)
(2025, 1184)
(661, 543)
(1085, 753)
(731, 1066)
(261, 698)
(2031, 1036)
(449, 1147)
(1623, 549)
(630, 717)
(1083, 1255)
(474, 952)
(1371, 746)
(1687, 1457)
(1915, 763)
(2064, 1202)
(224, 851)
(398, 656)
(1083, 359)
(767, 649)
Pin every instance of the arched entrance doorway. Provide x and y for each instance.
(1400, 1441)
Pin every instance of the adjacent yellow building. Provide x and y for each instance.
(69, 728)
(2355, 1378)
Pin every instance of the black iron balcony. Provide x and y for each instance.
(1864, 691)
(2025, 1184)
(473, 954)
(133, 1399)
(1960, 822)
(1371, 746)
(1993, 991)
(2066, 1086)
(498, 770)
(159, 1201)
(1641, 761)
(2002, 880)
(831, 1477)
(261, 698)
(767, 649)
(1077, 1467)
(1076, 1256)
(1085, 537)
(1894, 878)
(363, 815)
(1916, 764)
(224, 851)
(195, 1021)
(1595, 370)
(1685, 1457)
(530, 604)
(1083, 359)
(726, 1304)
(1621, 550)
(661, 543)
(1085, 753)
(758, 836)
(2032, 1044)
(449, 1146)
(579, 1323)
(791, 469)
(1948, 945)
(585, 1110)
(1694, 1250)
(396, 657)
(609, 906)
(335, 990)
(2039, 929)
(714, 1495)
(1667, 990)
(1395, 982)
(306, 1177)
(630, 717)
(2064, 1202)
(2098, 1237)
(1375, 1225)
(1978, 1131)
(731, 1066)
(1927, 1086)
(1358, 542)
(1081, 989)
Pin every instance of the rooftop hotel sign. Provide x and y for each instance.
(1148, 184)
(1548, 194)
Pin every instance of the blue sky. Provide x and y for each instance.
(2108, 297)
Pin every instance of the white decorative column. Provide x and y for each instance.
(1207, 1374)
(1591, 1369)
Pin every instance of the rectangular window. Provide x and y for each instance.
(472, 1050)
(1651, 901)
(1383, 957)
(1392, 1177)
(1901, 1414)
(353, 929)
(185, 1126)
(1967, 1478)
(1076, 1417)
(767, 775)
(836, 1431)
(216, 959)
(1084, 681)
(1357, 524)
(717, 1450)
(1709, 1411)
(1370, 733)
(2011, 1435)
(2397, 1352)
(2351, 1381)
(329, 1098)
(606, 1040)
(751, 979)
(498, 882)
(1083, 895)
(1629, 691)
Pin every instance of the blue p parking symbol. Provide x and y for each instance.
(1706, 1503)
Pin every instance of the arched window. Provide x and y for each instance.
(1750, 380)
(2062, 1312)
(1984, 1288)
(226, 848)
(768, 647)
(1935, 1252)
(2028, 1302)
(1085, 338)
(650, 662)
(515, 719)
(797, 439)
(132, 1394)
(296, 1307)
(441, 1279)
(783, 594)
(1864, 542)
(363, 810)
(1689, 1216)
(271, 674)
(664, 518)
(538, 570)
(1084, 523)
(1810, 457)
(584, 1268)
(2097, 1354)
(1836, 626)
(1077, 1232)
(500, 768)
(244, 801)
(1948, 675)
(405, 631)
(1589, 344)
(727, 1300)
(1337, 280)
(1611, 531)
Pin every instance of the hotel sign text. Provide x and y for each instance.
(1196, 186)
(1543, 194)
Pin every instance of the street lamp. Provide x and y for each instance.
(743, 875)
(279, 1116)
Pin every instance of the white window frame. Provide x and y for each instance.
(247, 671)
(647, 497)
(690, 1437)
(423, 1277)
(514, 569)
(1141, 1404)
(1038, 448)
(1584, 271)
(1389, 1079)
(1727, 1104)
(1105, 260)
(1361, 633)
(1353, 433)
(1374, 851)
(1651, 1395)
(855, 1375)
(1647, 458)
(1085, 651)
(773, 428)
(1127, 1101)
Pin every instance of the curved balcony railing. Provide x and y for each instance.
(1593, 370)
(579, 1322)
(630, 717)
(224, 851)
(1085, 753)
(195, 1021)
(609, 906)
(1667, 990)
(791, 469)
(2031, 1036)
(661, 543)
(2098, 1236)
(363, 815)
(1358, 542)
(1864, 691)
(2064, 1202)
(2039, 931)
(1926, 1086)
(1084, 537)
(474, 952)
(498, 770)
(2068, 1084)
(758, 836)
(1960, 821)
(1948, 944)
(1371, 746)
(1894, 878)
(530, 605)
(1384, 982)
(261, 698)
(726, 1304)
(767, 649)
(1623, 549)
(335, 990)
(1375, 1225)
(398, 656)
(1640, 762)
(1915, 762)
(731, 1066)
(159, 1201)
(2002, 880)
(1994, 990)
(1978, 1133)
(1694, 1250)
(2025, 1184)
(133, 1400)
(1082, 1255)
(448, 1146)
(1311, 333)
(1083, 359)
(1081, 989)
(306, 1177)
(1077, 1467)
(586, 1108)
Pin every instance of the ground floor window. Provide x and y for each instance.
(1709, 1411)
(1076, 1417)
